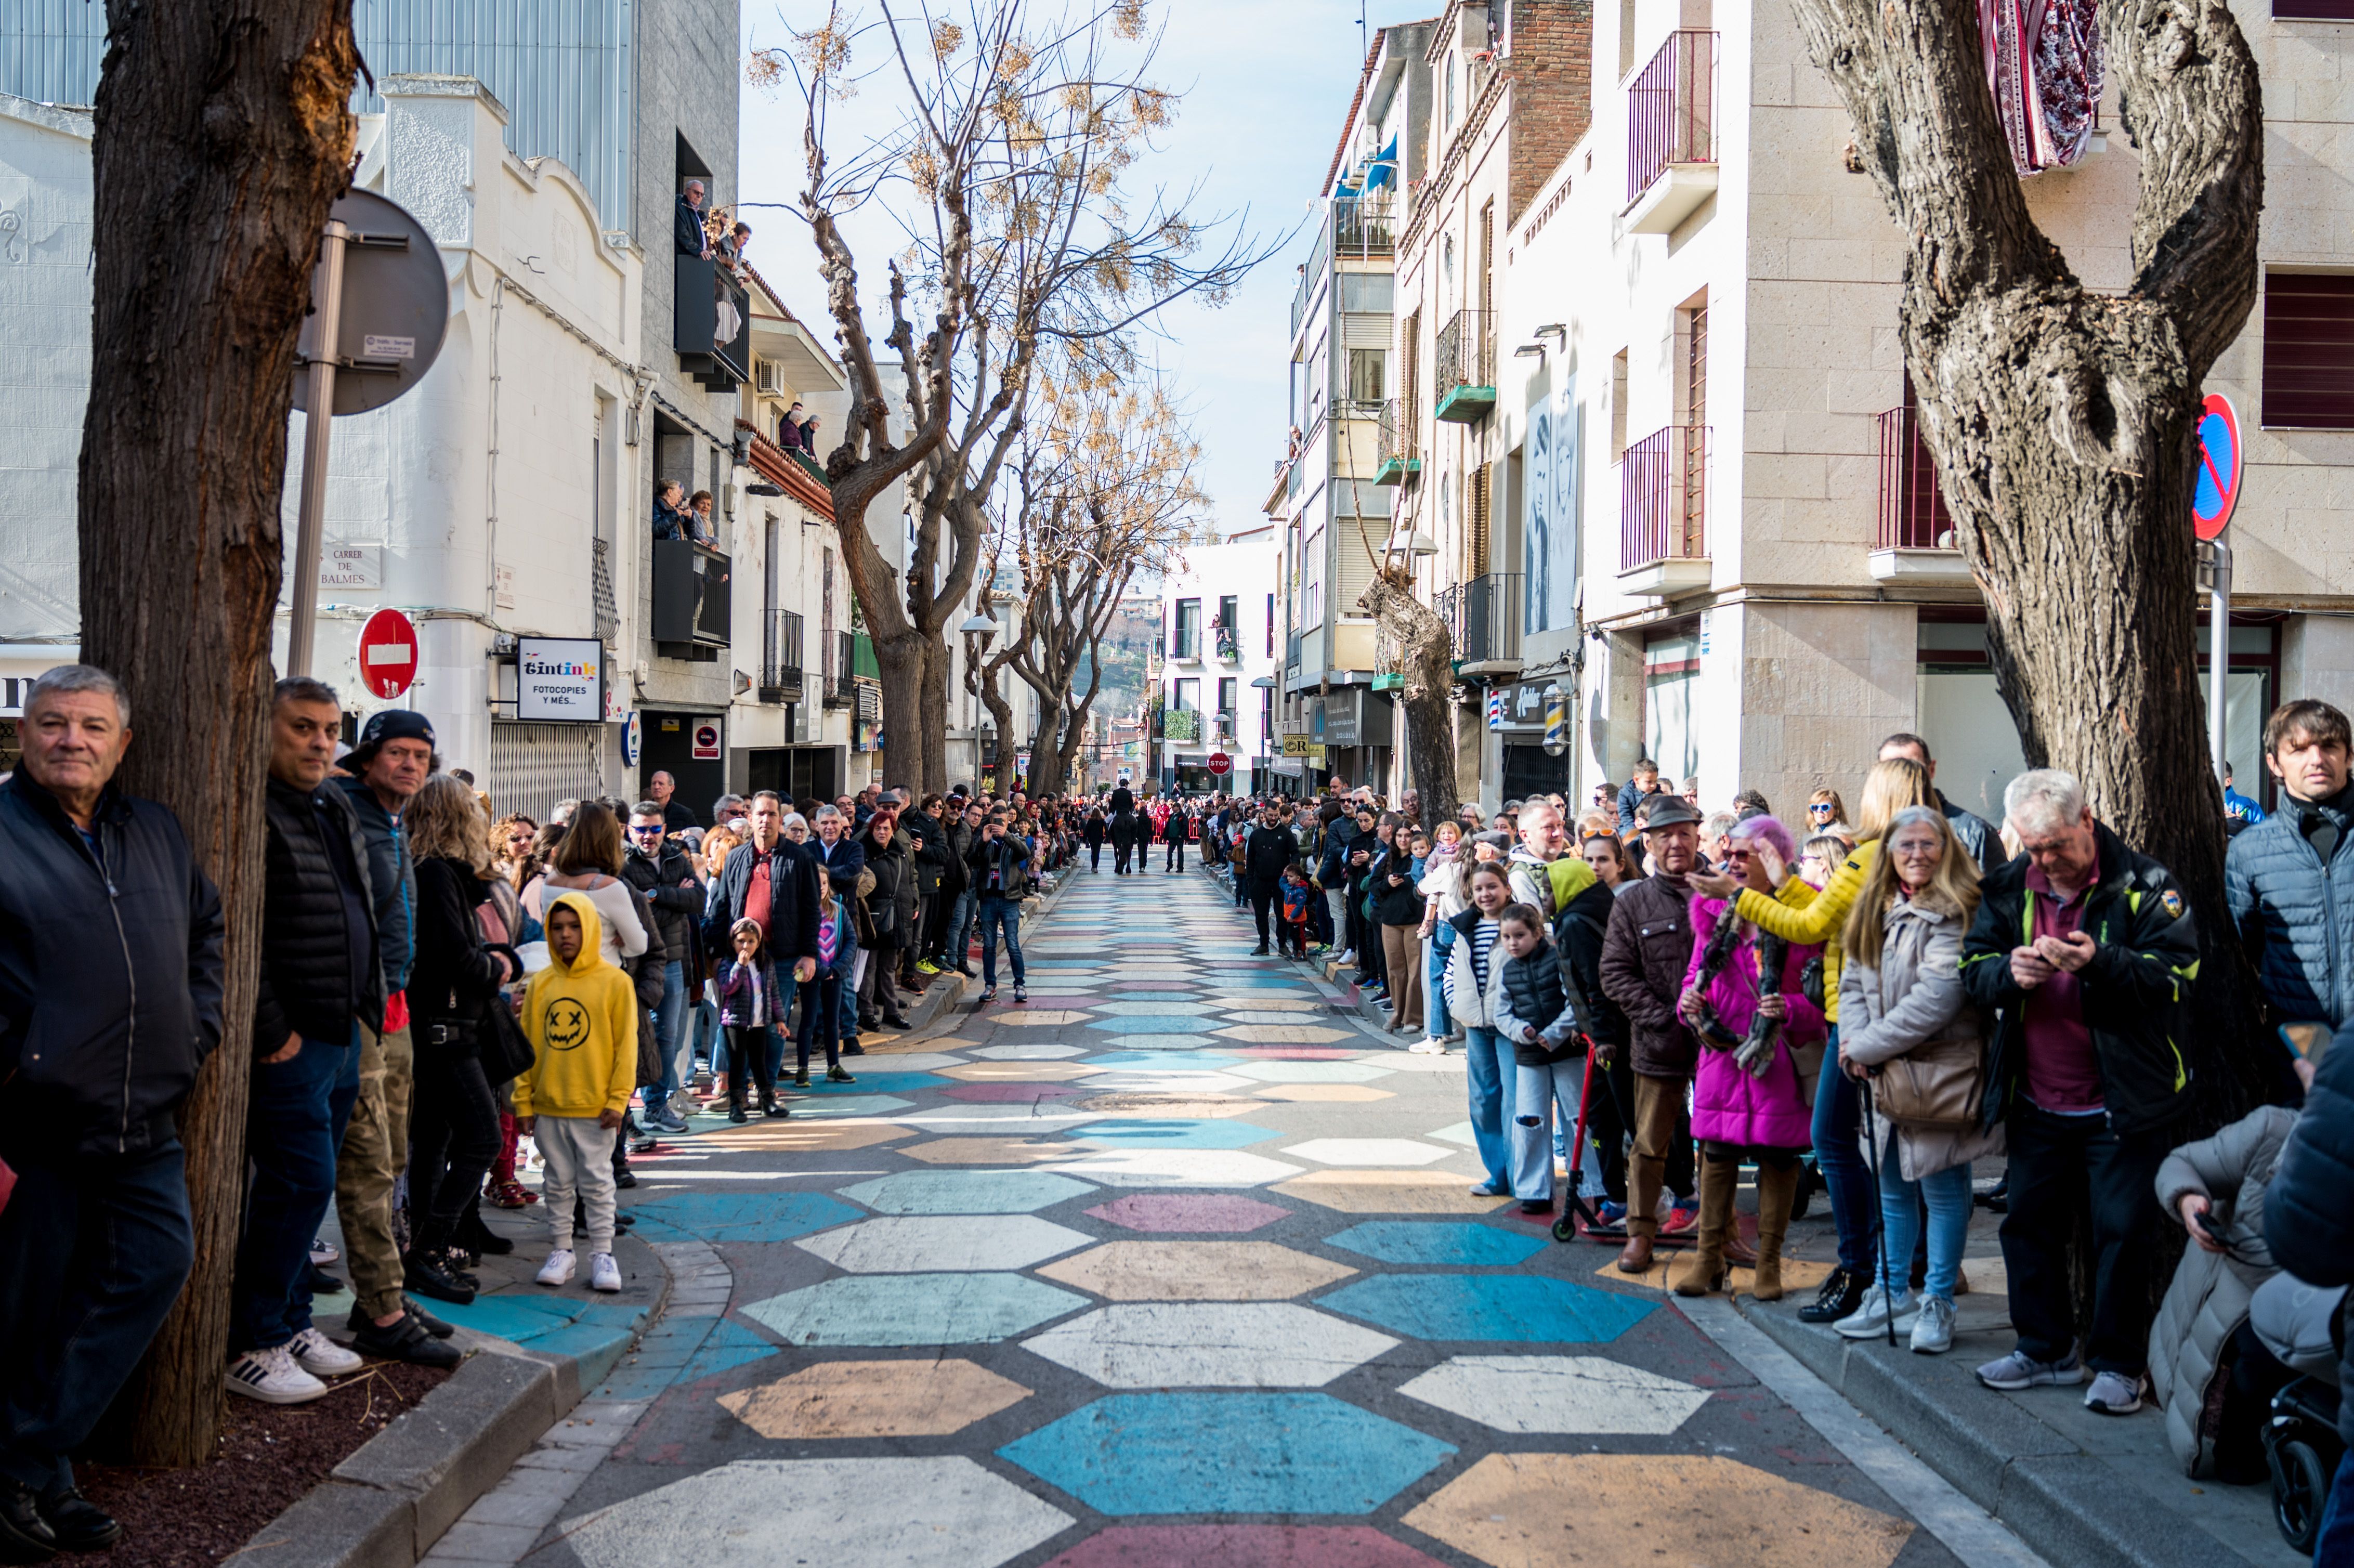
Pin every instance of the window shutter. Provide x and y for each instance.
(2309, 351)
(1474, 523)
(1355, 542)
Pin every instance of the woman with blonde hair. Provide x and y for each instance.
(1901, 999)
(1798, 913)
(588, 859)
(1826, 813)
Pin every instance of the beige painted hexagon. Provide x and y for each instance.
(1038, 1018)
(1229, 1000)
(989, 1151)
(1194, 1271)
(795, 1136)
(1539, 1511)
(1325, 1093)
(1282, 1033)
(875, 1399)
(1160, 1107)
(1388, 1192)
(1014, 1072)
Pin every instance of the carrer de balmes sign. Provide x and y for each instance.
(559, 678)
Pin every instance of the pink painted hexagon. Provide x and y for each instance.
(1242, 1546)
(1199, 1212)
(1014, 1092)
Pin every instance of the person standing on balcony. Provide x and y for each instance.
(700, 526)
(692, 240)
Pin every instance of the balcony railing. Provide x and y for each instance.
(1912, 513)
(1465, 367)
(691, 593)
(1401, 443)
(1292, 649)
(1671, 111)
(781, 657)
(1663, 498)
(841, 670)
(1186, 642)
(1228, 645)
(1484, 617)
(1365, 227)
(712, 315)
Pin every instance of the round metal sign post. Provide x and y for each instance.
(380, 305)
(2214, 495)
(387, 653)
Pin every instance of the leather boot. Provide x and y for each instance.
(1634, 1257)
(1703, 1271)
(1777, 1193)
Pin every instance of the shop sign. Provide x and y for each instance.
(560, 679)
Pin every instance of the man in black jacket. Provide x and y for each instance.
(657, 867)
(692, 238)
(2083, 953)
(321, 984)
(999, 864)
(773, 883)
(2309, 1226)
(1267, 850)
(110, 1001)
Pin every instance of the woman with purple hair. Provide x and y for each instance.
(1762, 1042)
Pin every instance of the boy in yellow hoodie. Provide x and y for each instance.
(581, 1016)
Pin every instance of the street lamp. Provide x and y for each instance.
(980, 625)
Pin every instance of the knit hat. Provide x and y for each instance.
(391, 724)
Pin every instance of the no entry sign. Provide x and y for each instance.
(1220, 764)
(387, 653)
(2217, 490)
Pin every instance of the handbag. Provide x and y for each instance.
(1939, 1085)
(505, 1052)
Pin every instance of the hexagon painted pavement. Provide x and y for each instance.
(921, 1398)
(1324, 1094)
(1195, 1213)
(949, 1512)
(1145, 1081)
(1293, 1013)
(1040, 1018)
(739, 1216)
(1558, 1394)
(1173, 1452)
(1196, 1271)
(1013, 1151)
(1126, 1007)
(1155, 1042)
(1441, 1242)
(1193, 1344)
(1192, 1060)
(912, 1310)
(964, 1191)
(1172, 1132)
(1124, 1105)
(1160, 1022)
(1044, 1051)
(1177, 1168)
(1018, 1070)
(1241, 1546)
(1510, 1307)
(1367, 1151)
(1013, 1094)
(921, 1244)
(1287, 1032)
(1539, 1511)
(1390, 1193)
(889, 1061)
(852, 1104)
(1312, 1072)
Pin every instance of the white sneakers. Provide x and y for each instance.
(321, 1356)
(604, 1274)
(1872, 1318)
(1933, 1331)
(1427, 1047)
(272, 1377)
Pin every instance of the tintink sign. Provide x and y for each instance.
(560, 679)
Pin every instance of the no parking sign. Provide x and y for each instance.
(2217, 488)
(706, 740)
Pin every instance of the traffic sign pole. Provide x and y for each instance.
(2214, 496)
(318, 427)
(2219, 652)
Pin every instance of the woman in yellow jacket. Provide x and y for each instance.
(1801, 914)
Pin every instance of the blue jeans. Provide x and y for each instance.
(996, 912)
(1948, 1196)
(92, 1254)
(1535, 1133)
(669, 1022)
(820, 1020)
(2335, 1546)
(1487, 1056)
(960, 915)
(1838, 1123)
(294, 1124)
(710, 1039)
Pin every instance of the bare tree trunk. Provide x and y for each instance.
(899, 659)
(932, 705)
(223, 136)
(1001, 717)
(1426, 667)
(2063, 422)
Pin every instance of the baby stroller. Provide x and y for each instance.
(2302, 1449)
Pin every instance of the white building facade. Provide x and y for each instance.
(1221, 634)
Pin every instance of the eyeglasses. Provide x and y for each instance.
(1820, 806)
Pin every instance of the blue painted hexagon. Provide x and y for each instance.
(875, 1083)
(1175, 1453)
(1458, 1242)
(739, 1216)
(913, 1309)
(964, 1191)
(1165, 1061)
(1465, 1306)
(1172, 1132)
(1152, 1023)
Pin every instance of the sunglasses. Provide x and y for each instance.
(1821, 806)
(652, 828)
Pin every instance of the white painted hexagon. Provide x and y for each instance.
(1367, 1151)
(1176, 1167)
(1456, 1132)
(957, 1243)
(1041, 1052)
(1257, 1015)
(1155, 1042)
(964, 1191)
(1557, 1394)
(1209, 1344)
(1313, 1071)
(946, 1512)
(1143, 1080)
(1397, 1059)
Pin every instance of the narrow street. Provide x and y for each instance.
(1172, 1265)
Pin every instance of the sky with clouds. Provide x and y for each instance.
(1265, 84)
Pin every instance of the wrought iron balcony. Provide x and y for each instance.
(1912, 513)
(1465, 367)
(1401, 443)
(1664, 503)
(1483, 617)
(1671, 133)
(781, 657)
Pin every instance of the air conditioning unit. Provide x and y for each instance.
(765, 377)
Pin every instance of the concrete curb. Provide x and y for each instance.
(386, 1505)
(2029, 1475)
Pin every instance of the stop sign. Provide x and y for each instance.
(1220, 764)
(387, 653)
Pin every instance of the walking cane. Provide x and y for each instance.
(1880, 1226)
(1565, 1228)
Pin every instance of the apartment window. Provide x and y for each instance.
(1450, 89)
(1188, 699)
(1365, 365)
(2309, 351)
(1186, 640)
(1270, 626)
(1617, 405)
(2312, 11)
(1229, 693)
